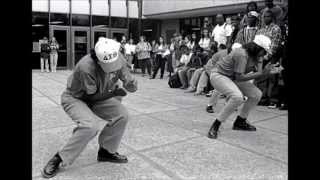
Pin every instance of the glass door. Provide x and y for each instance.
(118, 33)
(81, 43)
(62, 36)
(96, 33)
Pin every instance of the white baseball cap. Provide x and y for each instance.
(235, 46)
(107, 52)
(263, 41)
(253, 13)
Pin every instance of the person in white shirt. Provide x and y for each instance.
(205, 40)
(130, 51)
(161, 51)
(221, 32)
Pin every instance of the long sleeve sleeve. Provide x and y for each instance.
(129, 82)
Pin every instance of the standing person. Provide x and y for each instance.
(188, 42)
(193, 40)
(221, 32)
(247, 33)
(276, 11)
(177, 49)
(235, 22)
(251, 6)
(130, 51)
(153, 54)
(143, 49)
(161, 49)
(170, 58)
(123, 42)
(269, 85)
(231, 78)
(205, 41)
(207, 24)
(54, 46)
(44, 54)
(90, 97)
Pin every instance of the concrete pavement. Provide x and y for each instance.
(165, 137)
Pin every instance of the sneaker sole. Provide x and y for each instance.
(112, 161)
(48, 176)
(239, 129)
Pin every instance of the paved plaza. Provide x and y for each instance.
(165, 137)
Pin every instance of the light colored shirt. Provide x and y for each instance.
(235, 62)
(143, 50)
(204, 43)
(185, 58)
(220, 33)
(130, 48)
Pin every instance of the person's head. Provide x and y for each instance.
(53, 39)
(252, 18)
(161, 40)
(142, 38)
(45, 39)
(269, 3)
(220, 19)
(187, 38)
(153, 42)
(124, 38)
(206, 20)
(235, 21)
(106, 54)
(252, 6)
(205, 32)
(131, 41)
(258, 47)
(228, 20)
(179, 37)
(194, 36)
(184, 49)
(268, 17)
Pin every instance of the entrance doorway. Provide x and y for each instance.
(96, 33)
(62, 35)
(118, 33)
(81, 43)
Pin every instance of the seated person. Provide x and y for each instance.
(185, 57)
(186, 72)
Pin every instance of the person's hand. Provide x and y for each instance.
(276, 69)
(119, 92)
(267, 69)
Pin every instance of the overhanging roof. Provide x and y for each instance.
(208, 11)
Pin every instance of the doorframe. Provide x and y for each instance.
(68, 43)
(118, 30)
(78, 28)
(106, 30)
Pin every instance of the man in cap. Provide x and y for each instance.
(231, 78)
(90, 97)
(247, 33)
(268, 86)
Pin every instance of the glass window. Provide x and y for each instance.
(118, 8)
(133, 29)
(40, 5)
(80, 6)
(59, 6)
(133, 9)
(100, 7)
(80, 20)
(60, 19)
(118, 22)
(100, 21)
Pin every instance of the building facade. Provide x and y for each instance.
(77, 24)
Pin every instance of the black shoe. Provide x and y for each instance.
(105, 156)
(209, 109)
(52, 167)
(243, 125)
(213, 132)
(264, 103)
(152, 77)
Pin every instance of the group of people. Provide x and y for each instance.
(49, 50)
(242, 63)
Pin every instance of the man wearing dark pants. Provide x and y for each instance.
(91, 96)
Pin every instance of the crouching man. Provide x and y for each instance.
(92, 94)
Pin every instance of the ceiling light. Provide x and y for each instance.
(56, 22)
(37, 25)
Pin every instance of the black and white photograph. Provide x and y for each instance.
(160, 89)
